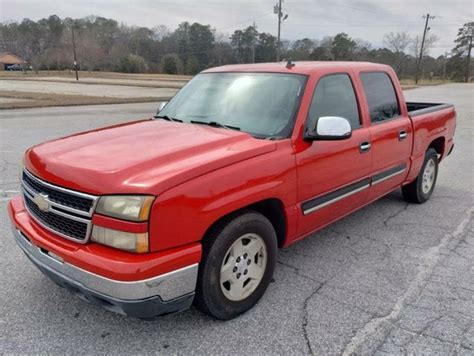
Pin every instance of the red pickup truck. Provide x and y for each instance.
(146, 217)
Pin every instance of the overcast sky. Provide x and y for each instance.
(368, 20)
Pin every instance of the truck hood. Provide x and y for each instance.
(143, 157)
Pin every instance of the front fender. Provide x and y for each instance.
(184, 213)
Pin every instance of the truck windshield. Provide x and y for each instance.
(261, 104)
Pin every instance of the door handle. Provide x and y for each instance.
(364, 146)
(402, 135)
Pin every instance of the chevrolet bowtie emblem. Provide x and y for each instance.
(41, 201)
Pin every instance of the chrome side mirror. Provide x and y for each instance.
(161, 107)
(328, 128)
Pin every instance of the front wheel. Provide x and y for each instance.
(421, 189)
(239, 257)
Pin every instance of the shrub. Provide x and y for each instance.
(192, 66)
(171, 64)
(132, 64)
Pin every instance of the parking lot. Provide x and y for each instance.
(392, 278)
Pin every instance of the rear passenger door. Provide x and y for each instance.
(390, 133)
(333, 176)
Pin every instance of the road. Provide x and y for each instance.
(391, 278)
(116, 91)
(139, 82)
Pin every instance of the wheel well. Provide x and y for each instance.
(438, 145)
(272, 209)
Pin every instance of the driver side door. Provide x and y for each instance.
(333, 176)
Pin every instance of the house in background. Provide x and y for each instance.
(8, 59)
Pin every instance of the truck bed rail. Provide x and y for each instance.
(416, 109)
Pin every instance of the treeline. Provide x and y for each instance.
(105, 45)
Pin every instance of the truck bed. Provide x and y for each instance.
(416, 109)
(432, 123)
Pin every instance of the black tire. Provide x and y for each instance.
(413, 192)
(209, 295)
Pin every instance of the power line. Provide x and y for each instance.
(244, 21)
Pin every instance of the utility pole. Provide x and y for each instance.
(468, 59)
(428, 17)
(444, 64)
(253, 44)
(74, 50)
(281, 18)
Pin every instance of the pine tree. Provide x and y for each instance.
(460, 62)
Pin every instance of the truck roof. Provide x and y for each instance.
(303, 67)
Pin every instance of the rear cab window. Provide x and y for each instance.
(381, 96)
(334, 96)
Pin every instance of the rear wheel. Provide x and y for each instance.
(239, 257)
(421, 189)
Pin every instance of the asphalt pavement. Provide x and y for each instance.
(392, 278)
(81, 88)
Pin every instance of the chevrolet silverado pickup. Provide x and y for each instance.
(191, 206)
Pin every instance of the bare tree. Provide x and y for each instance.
(160, 32)
(415, 45)
(221, 36)
(397, 42)
(362, 44)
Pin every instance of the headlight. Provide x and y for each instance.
(119, 239)
(126, 207)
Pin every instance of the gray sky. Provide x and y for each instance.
(365, 19)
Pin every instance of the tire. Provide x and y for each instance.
(229, 253)
(422, 187)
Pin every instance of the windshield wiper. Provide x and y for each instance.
(165, 117)
(216, 124)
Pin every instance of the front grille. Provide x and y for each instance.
(57, 196)
(71, 228)
(65, 212)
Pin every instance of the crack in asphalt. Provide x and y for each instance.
(413, 333)
(304, 322)
(423, 334)
(430, 260)
(390, 217)
(461, 339)
(418, 224)
(297, 271)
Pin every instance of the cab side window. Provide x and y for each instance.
(334, 96)
(381, 97)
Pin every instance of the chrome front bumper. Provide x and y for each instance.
(166, 293)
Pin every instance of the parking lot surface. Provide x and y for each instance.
(392, 278)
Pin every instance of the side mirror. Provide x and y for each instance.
(162, 105)
(328, 128)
